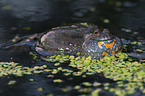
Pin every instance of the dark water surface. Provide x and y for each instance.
(124, 18)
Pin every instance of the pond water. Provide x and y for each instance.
(18, 18)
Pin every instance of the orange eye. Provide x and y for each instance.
(96, 32)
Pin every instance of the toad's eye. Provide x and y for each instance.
(96, 32)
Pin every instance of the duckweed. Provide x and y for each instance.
(57, 80)
(27, 28)
(31, 80)
(135, 32)
(49, 95)
(77, 73)
(134, 42)
(66, 74)
(85, 90)
(139, 50)
(34, 55)
(119, 68)
(139, 43)
(96, 92)
(55, 71)
(60, 58)
(56, 64)
(96, 84)
(47, 70)
(106, 21)
(127, 30)
(129, 75)
(11, 68)
(50, 76)
(40, 89)
(87, 84)
(11, 82)
(77, 87)
(65, 89)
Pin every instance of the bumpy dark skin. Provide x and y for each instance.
(67, 39)
(101, 43)
(86, 38)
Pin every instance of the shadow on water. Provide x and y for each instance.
(124, 19)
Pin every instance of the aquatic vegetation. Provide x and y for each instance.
(60, 58)
(128, 75)
(57, 80)
(11, 82)
(49, 95)
(31, 80)
(12, 68)
(40, 89)
(96, 92)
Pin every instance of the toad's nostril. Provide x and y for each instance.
(106, 31)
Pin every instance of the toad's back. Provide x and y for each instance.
(66, 38)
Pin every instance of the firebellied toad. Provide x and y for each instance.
(88, 39)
